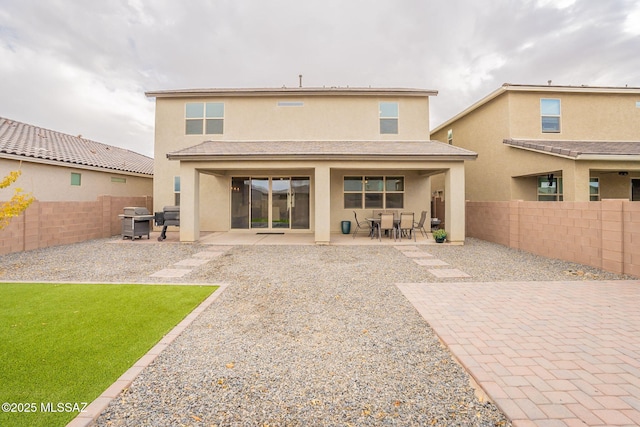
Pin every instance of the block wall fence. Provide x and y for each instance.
(603, 234)
(46, 224)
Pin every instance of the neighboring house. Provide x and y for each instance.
(299, 159)
(550, 143)
(59, 167)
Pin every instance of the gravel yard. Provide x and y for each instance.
(303, 335)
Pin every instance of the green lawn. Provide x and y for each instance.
(66, 343)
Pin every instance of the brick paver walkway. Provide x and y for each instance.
(547, 353)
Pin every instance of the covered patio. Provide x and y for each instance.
(255, 188)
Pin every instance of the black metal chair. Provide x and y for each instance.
(361, 224)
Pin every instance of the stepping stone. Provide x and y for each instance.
(171, 272)
(417, 254)
(430, 262)
(448, 272)
(191, 262)
(219, 248)
(207, 255)
(407, 248)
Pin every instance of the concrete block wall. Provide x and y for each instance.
(46, 224)
(602, 234)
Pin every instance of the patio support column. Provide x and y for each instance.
(189, 203)
(575, 183)
(455, 202)
(322, 188)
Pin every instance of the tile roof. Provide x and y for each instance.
(29, 141)
(325, 149)
(577, 149)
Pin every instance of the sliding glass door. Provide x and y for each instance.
(271, 203)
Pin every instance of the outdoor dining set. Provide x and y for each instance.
(391, 223)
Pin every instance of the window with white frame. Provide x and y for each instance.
(450, 136)
(204, 118)
(388, 117)
(594, 189)
(176, 191)
(549, 189)
(550, 115)
(373, 192)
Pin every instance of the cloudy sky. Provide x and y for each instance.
(82, 67)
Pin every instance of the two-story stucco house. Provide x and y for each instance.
(550, 143)
(299, 160)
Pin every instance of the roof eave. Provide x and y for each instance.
(610, 157)
(311, 91)
(60, 163)
(327, 156)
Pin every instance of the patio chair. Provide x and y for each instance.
(406, 224)
(361, 224)
(386, 224)
(420, 224)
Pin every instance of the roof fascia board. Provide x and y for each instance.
(199, 93)
(28, 159)
(584, 157)
(609, 157)
(573, 89)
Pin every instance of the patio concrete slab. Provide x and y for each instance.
(547, 353)
(447, 272)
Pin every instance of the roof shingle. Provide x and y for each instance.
(323, 148)
(575, 149)
(21, 139)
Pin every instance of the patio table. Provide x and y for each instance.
(376, 221)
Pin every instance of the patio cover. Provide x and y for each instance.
(358, 150)
(581, 150)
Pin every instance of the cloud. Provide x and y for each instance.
(83, 67)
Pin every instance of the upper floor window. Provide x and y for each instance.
(204, 118)
(550, 114)
(389, 117)
(450, 136)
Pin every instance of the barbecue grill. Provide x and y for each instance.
(136, 222)
(170, 215)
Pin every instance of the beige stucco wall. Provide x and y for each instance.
(482, 131)
(49, 182)
(584, 116)
(351, 117)
(505, 173)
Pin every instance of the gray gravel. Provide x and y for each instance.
(303, 335)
